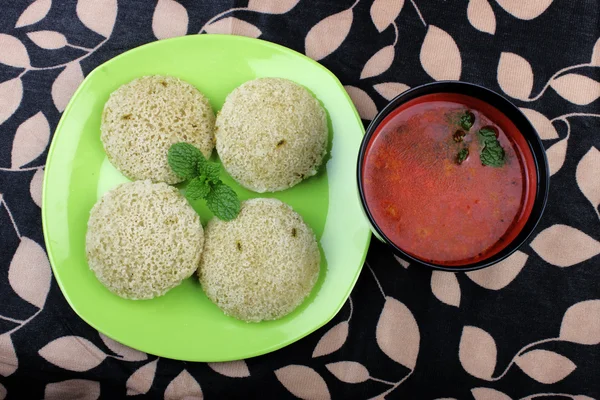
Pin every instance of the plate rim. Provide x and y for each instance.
(52, 149)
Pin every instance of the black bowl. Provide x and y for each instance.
(523, 125)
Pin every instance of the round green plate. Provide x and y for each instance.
(184, 324)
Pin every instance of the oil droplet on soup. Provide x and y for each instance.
(426, 185)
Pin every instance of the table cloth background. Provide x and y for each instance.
(526, 328)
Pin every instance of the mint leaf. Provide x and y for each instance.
(183, 159)
(487, 135)
(197, 189)
(223, 202)
(462, 156)
(467, 120)
(492, 153)
(211, 171)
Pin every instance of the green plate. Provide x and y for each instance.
(184, 324)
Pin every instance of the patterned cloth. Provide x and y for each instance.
(526, 328)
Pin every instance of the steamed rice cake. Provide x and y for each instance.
(261, 265)
(271, 134)
(143, 118)
(143, 239)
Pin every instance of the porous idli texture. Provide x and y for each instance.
(143, 239)
(261, 265)
(143, 118)
(271, 134)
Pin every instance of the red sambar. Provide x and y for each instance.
(428, 204)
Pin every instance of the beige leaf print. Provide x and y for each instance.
(296, 378)
(582, 397)
(384, 12)
(73, 353)
(3, 392)
(445, 287)
(29, 272)
(440, 56)
(8, 357)
(556, 155)
(13, 52)
(30, 141)
(501, 274)
(577, 89)
(477, 352)
(49, 40)
(184, 386)
(481, 16)
(34, 13)
(333, 340)
(234, 26)
(482, 393)
(397, 333)
(596, 53)
(389, 90)
(378, 63)
(11, 93)
(363, 102)
(232, 369)
(402, 262)
(126, 352)
(515, 75)
(587, 176)
(170, 19)
(328, 34)
(564, 246)
(525, 9)
(72, 389)
(545, 366)
(541, 123)
(141, 380)
(65, 85)
(98, 15)
(581, 323)
(349, 371)
(35, 187)
(272, 6)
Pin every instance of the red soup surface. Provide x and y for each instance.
(431, 201)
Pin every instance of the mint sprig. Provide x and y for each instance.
(189, 163)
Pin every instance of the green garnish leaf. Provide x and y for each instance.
(212, 171)
(487, 134)
(467, 120)
(189, 163)
(197, 189)
(492, 153)
(223, 202)
(183, 159)
(462, 155)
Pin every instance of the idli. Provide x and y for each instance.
(271, 133)
(261, 265)
(143, 118)
(143, 239)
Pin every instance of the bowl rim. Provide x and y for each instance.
(527, 130)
